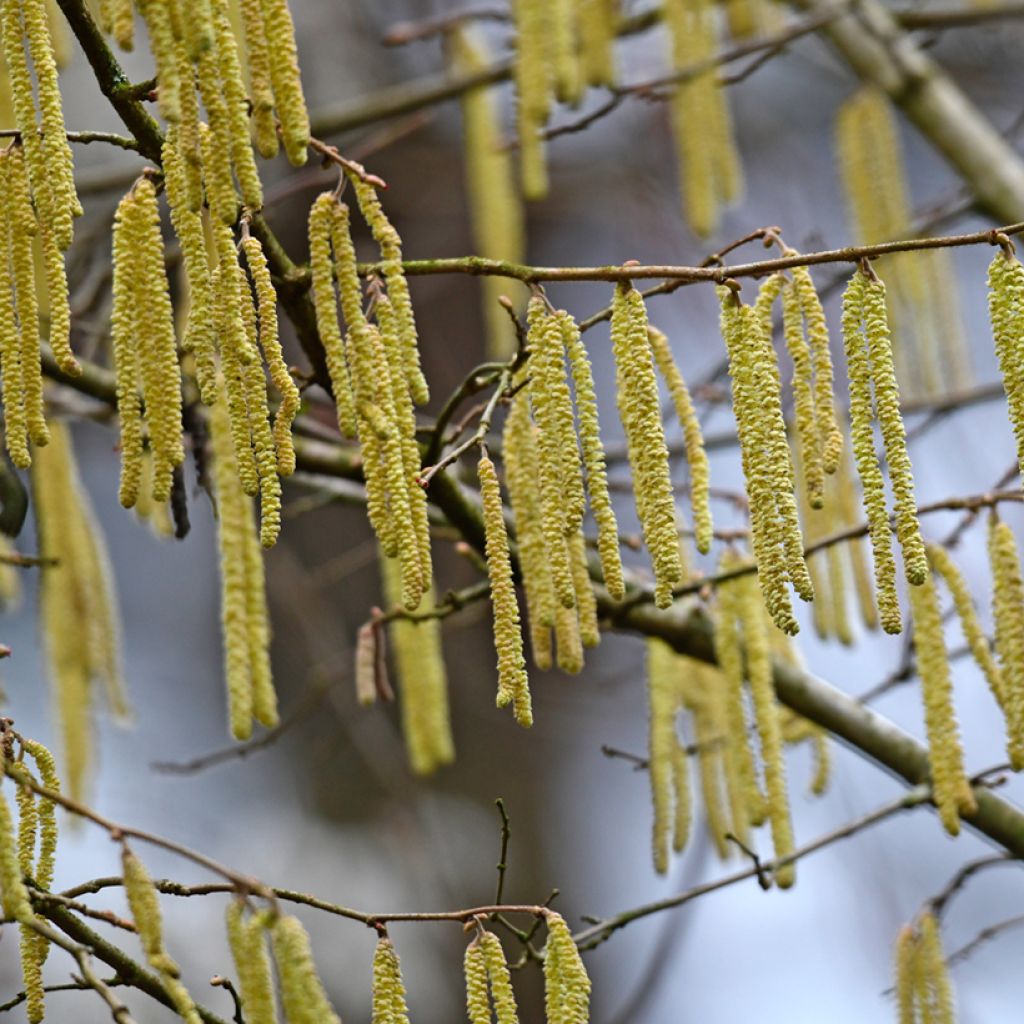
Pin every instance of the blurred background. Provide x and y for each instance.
(331, 807)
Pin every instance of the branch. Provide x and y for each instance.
(84, 138)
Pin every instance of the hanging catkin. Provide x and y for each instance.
(596, 21)
(709, 166)
(639, 411)
(422, 679)
(533, 83)
(284, 76)
(935, 992)
(495, 208)
(13, 894)
(303, 998)
(696, 456)
(1008, 616)
(82, 649)
(247, 938)
(388, 991)
(11, 338)
(566, 985)
(951, 789)
(485, 967)
(1006, 315)
(116, 19)
(478, 1007)
(513, 683)
(157, 16)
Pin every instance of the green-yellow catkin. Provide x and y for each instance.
(389, 1005)
(237, 103)
(519, 448)
(81, 649)
(144, 904)
(157, 16)
(215, 142)
(586, 602)
(478, 1007)
(862, 439)
(496, 211)
(200, 336)
(15, 426)
(261, 91)
(246, 936)
(1006, 315)
(752, 19)
(850, 509)
(30, 943)
(284, 76)
(640, 412)
(271, 345)
(708, 160)
(548, 362)
(513, 683)
(906, 951)
(566, 984)
(46, 765)
(671, 801)
(13, 893)
(197, 27)
(936, 992)
(951, 789)
(887, 408)
(500, 979)
(302, 993)
(543, 335)
(533, 83)
(568, 641)
(325, 303)
(564, 55)
(596, 21)
(769, 726)
(767, 530)
(422, 679)
(797, 729)
(592, 452)
(1008, 616)
(116, 19)
(942, 564)
(693, 437)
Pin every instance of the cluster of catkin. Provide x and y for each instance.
(713, 697)
(709, 165)
(560, 49)
(931, 351)
(924, 993)
(376, 377)
(78, 606)
(38, 204)
(29, 852)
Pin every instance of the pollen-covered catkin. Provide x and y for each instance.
(157, 16)
(500, 980)
(863, 443)
(13, 893)
(246, 936)
(144, 904)
(533, 82)
(116, 19)
(1008, 616)
(566, 984)
(215, 142)
(639, 410)
(1006, 315)
(951, 789)
(474, 964)
(905, 956)
(422, 679)
(261, 91)
(696, 456)
(596, 22)
(302, 993)
(287, 84)
(388, 990)
(15, 426)
(513, 683)
(937, 999)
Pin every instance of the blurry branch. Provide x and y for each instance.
(71, 986)
(993, 930)
(906, 671)
(84, 138)
(939, 902)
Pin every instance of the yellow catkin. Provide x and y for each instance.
(942, 563)
(252, 964)
(548, 362)
(586, 602)
(15, 425)
(284, 75)
(519, 449)
(551, 468)
(766, 713)
(708, 160)
(478, 1007)
(640, 413)
(261, 91)
(568, 642)
(500, 979)
(389, 1005)
(215, 142)
(157, 15)
(326, 304)
(696, 456)
(940, 1008)
(144, 904)
(596, 23)
(47, 810)
(116, 19)
(513, 684)
(533, 84)
(566, 984)
(422, 680)
(30, 944)
(863, 444)
(905, 957)
(951, 789)
(78, 608)
(1006, 315)
(302, 993)
(13, 893)
(197, 27)
(849, 507)
(492, 195)
(237, 103)
(1008, 616)
(564, 56)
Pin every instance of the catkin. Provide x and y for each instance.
(533, 83)
(302, 993)
(144, 904)
(115, 17)
(478, 1008)
(905, 957)
(285, 79)
(951, 789)
(13, 893)
(388, 991)
(15, 426)
(938, 1003)
(513, 683)
(261, 90)
(422, 680)
(252, 964)
(157, 16)
(1006, 315)
(500, 980)
(566, 985)
(215, 141)
(639, 410)
(1008, 616)
(596, 23)
(696, 456)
